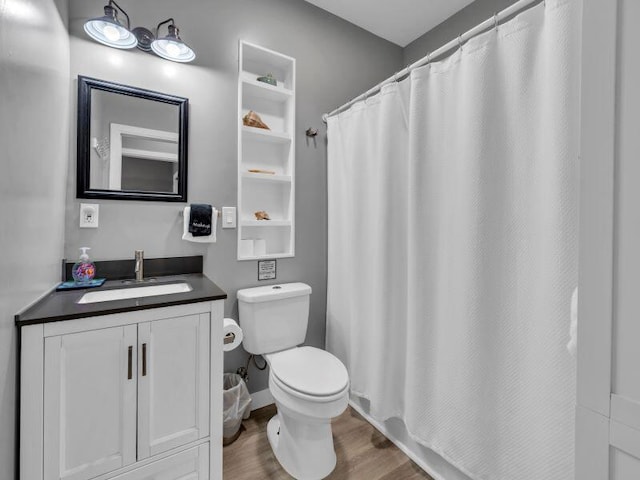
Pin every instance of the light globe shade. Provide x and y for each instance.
(108, 31)
(173, 49)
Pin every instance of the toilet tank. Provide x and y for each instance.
(273, 317)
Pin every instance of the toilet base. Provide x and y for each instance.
(303, 446)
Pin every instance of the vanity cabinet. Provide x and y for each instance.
(126, 396)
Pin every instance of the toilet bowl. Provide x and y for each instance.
(310, 387)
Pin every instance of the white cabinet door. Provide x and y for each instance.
(89, 403)
(173, 383)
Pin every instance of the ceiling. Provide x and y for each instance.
(399, 21)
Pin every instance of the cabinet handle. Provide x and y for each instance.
(130, 363)
(144, 359)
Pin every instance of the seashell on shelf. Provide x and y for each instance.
(262, 215)
(252, 119)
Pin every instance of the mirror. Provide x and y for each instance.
(132, 143)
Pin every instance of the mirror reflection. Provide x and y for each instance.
(130, 144)
(135, 144)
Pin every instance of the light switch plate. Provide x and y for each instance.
(89, 215)
(228, 217)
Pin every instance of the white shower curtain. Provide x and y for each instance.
(453, 248)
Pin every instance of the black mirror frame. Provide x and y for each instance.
(83, 188)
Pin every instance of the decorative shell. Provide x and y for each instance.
(252, 119)
(262, 215)
(268, 78)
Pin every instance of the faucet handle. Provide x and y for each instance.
(139, 269)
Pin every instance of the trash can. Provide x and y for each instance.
(236, 402)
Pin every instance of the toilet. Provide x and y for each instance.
(310, 386)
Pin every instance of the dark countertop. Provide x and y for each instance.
(58, 306)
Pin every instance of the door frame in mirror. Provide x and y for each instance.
(83, 187)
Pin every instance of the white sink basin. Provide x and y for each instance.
(135, 292)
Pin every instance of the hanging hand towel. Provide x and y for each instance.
(200, 220)
(187, 235)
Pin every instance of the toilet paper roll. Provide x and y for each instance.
(232, 334)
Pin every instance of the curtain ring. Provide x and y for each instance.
(460, 42)
(428, 58)
(495, 21)
(406, 68)
(395, 76)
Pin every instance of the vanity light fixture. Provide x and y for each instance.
(108, 29)
(172, 47)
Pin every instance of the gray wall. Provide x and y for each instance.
(335, 62)
(34, 105)
(464, 20)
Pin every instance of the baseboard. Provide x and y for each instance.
(426, 459)
(261, 399)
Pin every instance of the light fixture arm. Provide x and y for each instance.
(120, 9)
(168, 20)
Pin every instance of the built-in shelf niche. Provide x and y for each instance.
(270, 153)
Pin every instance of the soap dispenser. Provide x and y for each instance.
(83, 270)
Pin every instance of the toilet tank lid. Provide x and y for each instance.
(273, 292)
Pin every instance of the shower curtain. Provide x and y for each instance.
(453, 248)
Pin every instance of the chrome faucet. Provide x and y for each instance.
(139, 265)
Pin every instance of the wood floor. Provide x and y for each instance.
(363, 453)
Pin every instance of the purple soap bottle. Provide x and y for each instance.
(83, 270)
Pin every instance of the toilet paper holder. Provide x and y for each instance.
(231, 334)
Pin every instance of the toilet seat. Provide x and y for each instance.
(309, 372)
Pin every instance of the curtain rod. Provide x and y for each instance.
(477, 30)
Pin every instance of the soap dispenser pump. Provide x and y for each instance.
(83, 270)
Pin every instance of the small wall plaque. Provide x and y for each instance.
(266, 269)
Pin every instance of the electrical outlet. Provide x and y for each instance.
(228, 217)
(89, 215)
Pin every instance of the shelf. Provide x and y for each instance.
(256, 54)
(265, 223)
(261, 134)
(254, 88)
(267, 177)
(269, 256)
(268, 150)
(150, 155)
(260, 61)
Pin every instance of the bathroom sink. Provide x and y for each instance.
(135, 292)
